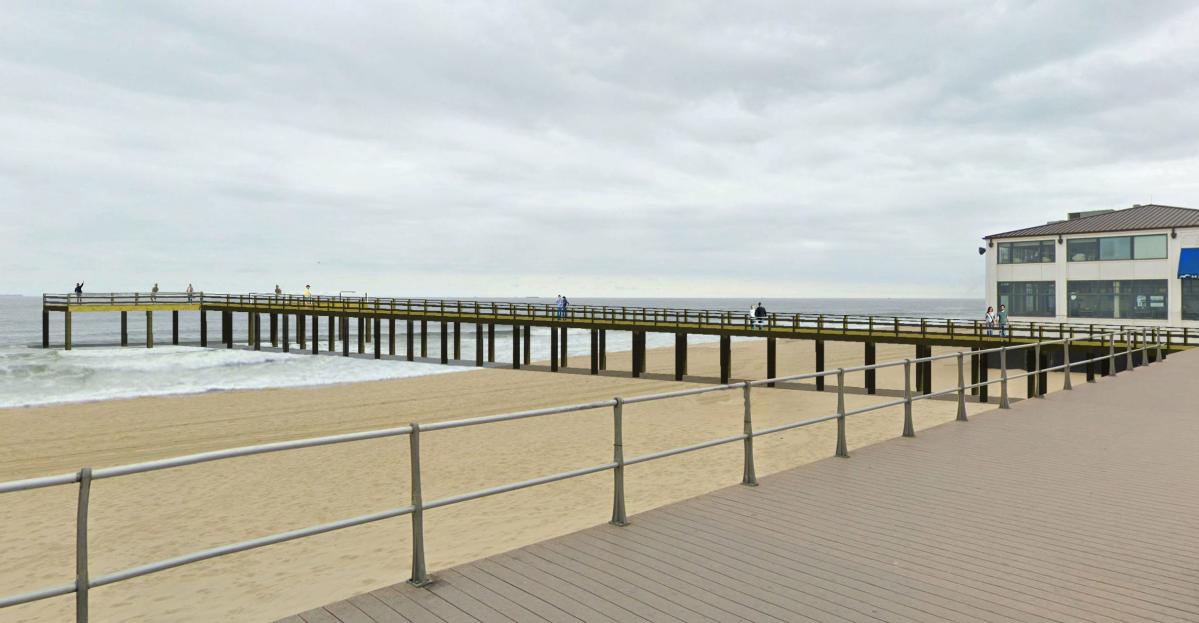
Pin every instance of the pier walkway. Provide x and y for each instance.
(1083, 506)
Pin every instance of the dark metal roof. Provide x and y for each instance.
(1137, 217)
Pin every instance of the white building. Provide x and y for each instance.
(1137, 266)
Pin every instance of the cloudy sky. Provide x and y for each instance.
(593, 148)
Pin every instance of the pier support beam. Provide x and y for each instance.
(515, 347)
(603, 349)
(370, 336)
(203, 329)
(868, 359)
(316, 337)
(274, 330)
(331, 329)
(491, 342)
(45, 328)
(638, 353)
(726, 358)
(1043, 376)
(457, 340)
(973, 370)
(257, 320)
(124, 328)
(1030, 366)
(424, 339)
(300, 334)
(391, 337)
(680, 356)
(286, 332)
(361, 335)
(344, 321)
(377, 334)
(528, 337)
(1090, 367)
(562, 350)
(66, 330)
(478, 345)
(595, 351)
(553, 349)
(771, 359)
(820, 364)
(928, 371)
(175, 327)
(409, 353)
(445, 338)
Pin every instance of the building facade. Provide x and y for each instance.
(1138, 266)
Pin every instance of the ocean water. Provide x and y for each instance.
(98, 368)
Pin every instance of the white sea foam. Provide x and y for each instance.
(34, 377)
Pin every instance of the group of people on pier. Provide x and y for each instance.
(994, 320)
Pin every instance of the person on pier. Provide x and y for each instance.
(278, 290)
(154, 293)
(190, 291)
(1002, 319)
(307, 290)
(760, 315)
(989, 320)
(79, 291)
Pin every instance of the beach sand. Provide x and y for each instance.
(148, 517)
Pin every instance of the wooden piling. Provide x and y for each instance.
(515, 347)
(409, 352)
(869, 359)
(361, 335)
(378, 342)
(984, 366)
(820, 364)
(124, 328)
(1043, 376)
(928, 371)
(726, 358)
(66, 330)
(316, 338)
(424, 338)
(203, 329)
(445, 338)
(562, 350)
(391, 337)
(301, 335)
(46, 328)
(1030, 366)
(553, 349)
(274, 330)
(974, 370)
(603, 348)
(594, 351)
(175, 327)
(331, 329)
(257, 332)
(491, 342)
(771, 359)
(479, 344)
(286, 332)
(528, 341)
(680, 356)
(457, 340)
(345, 336)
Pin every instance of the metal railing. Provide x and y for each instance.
(658, 318)
(419, 575)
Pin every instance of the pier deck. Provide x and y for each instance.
(1083, 506)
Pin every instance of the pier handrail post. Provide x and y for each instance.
(82, 582)
(1003, 399)
(908, 429)
(619, 518)
(842, 450)
(1159, 356)
(961, 388)
(1111, 353)
(749, 477)
(1128, 340)
(420, 576)
(1066, 384)
(1037, 391)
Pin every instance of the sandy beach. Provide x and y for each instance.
(144, 518)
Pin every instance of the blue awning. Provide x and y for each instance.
(1188, 264)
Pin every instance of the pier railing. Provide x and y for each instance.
(85, 581)
(659, 318)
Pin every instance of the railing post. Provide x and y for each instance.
(908, 429)
(1111, 354)
(842, 450)
(749, 477)
(81, 576)
(1128, 340)
(1038, 391)
(1066, 384)
(1003, 400)
(619, 518)
(420, 576)
(961, 388)
(1160, 355)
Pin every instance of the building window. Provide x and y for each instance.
(1152, 247)
(1139, 299)
(1027, 298)
(1190, 299)
(1029, 252)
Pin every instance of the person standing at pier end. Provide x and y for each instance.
(1002, 321)
(154, 293)
(190, 291)
(307, 290)
(760, 315)
(562, 303)
(278, 290)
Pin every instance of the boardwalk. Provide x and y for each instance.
(1083, 506)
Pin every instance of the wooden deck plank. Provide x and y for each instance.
(1080, 506)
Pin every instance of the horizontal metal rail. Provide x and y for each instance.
(416, 509)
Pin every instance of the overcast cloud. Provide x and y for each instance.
(592, 148)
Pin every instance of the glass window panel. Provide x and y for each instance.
(1132, 299)
(1190, 299)
(1005, 253)
(1143, 298)
(1091, 299)
(1115, 248)
(1150, 247)
(1028, 298)
(1082, 250)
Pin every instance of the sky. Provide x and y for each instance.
(791, 149)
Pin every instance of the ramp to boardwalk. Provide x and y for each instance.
(1083, 506)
